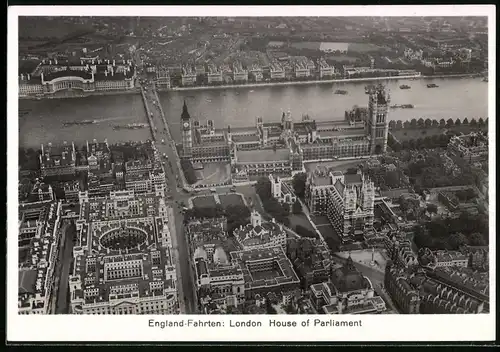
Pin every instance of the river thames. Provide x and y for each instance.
(42, 121)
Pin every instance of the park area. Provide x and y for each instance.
(300, 220)
(409, 134)
(204, 202)
(406, 134)
(231, 200)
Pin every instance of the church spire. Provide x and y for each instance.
(185, 114)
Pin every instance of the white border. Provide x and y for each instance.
(135, 328)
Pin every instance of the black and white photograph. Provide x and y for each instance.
(253, 173)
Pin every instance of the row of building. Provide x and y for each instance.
(39, 245)
(87, 75)
(191, 75)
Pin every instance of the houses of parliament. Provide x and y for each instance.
(282, 147)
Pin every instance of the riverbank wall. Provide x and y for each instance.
(255, 85)
(116, 92)
(293, 83)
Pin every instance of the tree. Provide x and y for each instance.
(263, 188)
(476, 239)
(297, 207)
(458, 122)
(473, 122)
(413, 123)
(457, 240)
(432, 208)
(423, 240)
(442, 123)
(399, 125)
(449, 123)
(465, 121)
(236, 215)
(189, 171)
(305, 232)
(269, 307)
(286, 207)
(299, 184)
(428, 123)
(406, 124)
(392, 124)
(435, 123)
(412, 144)
(420, 123)
(396, 146)
(481, 122)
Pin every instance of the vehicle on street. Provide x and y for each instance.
(213, 190)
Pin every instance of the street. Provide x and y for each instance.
(64, 269)
(187, 294)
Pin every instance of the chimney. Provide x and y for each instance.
(106, 73)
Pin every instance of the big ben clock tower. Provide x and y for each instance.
(187, 133)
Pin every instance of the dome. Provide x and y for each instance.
(220, 256)
(200, 253)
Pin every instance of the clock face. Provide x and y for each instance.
(186, 124)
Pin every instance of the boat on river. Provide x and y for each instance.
(78, 123)
(402, 106)
(432, 85)
(131, 126)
